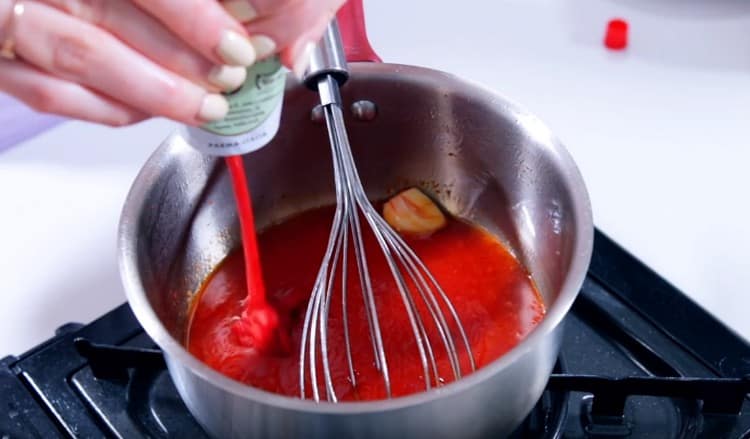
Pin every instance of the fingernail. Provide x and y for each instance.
(241, 10)
(234, 49)
(227, 77)
(303, 60)
(263, 45)
(214, 107)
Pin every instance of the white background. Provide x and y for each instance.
(660, 133)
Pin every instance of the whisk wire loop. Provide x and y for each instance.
(407, 270)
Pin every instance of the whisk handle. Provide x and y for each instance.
(328, 59)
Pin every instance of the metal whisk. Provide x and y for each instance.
(328, 70)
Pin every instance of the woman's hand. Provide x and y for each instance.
(120, 61)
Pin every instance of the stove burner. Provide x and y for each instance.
(146, 404)
(631, 366)
(547, 419)
(719, 395)
(603, 406)
(701, 405)
(141, 372)
(143, 368)
(108, 361)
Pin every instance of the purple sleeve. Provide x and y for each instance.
(18, 122)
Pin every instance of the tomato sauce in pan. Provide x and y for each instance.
(491, 291)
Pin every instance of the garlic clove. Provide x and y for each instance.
(411, 212)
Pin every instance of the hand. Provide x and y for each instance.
(120, 61)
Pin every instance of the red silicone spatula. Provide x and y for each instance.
(258, 326)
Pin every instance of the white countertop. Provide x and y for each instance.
(659, 132)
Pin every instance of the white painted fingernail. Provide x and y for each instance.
(229, 78)
(241, 10)
(264, 45)
(303, 60)
(235, 49)
(214, 107)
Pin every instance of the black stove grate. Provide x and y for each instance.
(638, 360)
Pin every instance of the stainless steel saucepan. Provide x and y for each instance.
(483, 157)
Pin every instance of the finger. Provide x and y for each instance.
(295, 29)
(80, 52)
(241, 10)
(246, 10)
(205, 26)
(148, 36)
(48, 94)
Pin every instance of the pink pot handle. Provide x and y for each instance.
(351, 20)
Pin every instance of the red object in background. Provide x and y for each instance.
(617, 34)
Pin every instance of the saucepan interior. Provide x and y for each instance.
(482, 157)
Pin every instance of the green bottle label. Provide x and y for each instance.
(254, 114)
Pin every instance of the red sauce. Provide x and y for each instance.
(491, 291)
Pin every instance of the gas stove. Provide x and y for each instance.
(639, 360)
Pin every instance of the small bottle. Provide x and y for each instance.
(253, 117)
